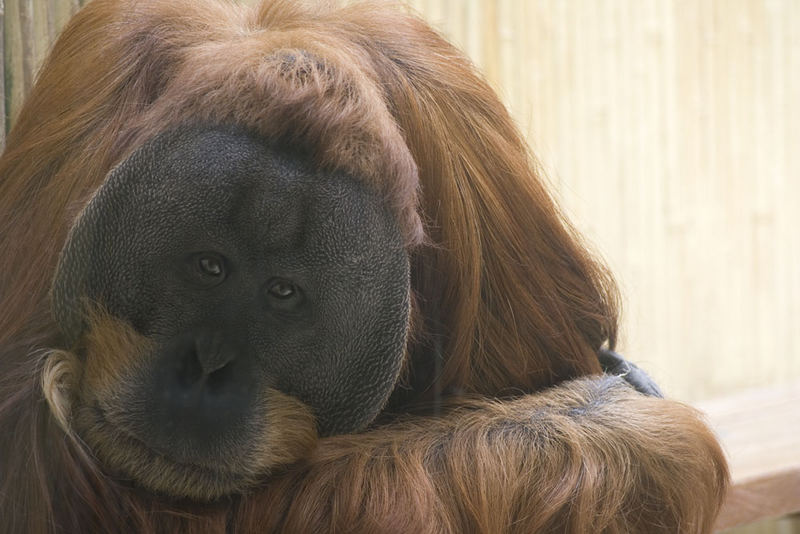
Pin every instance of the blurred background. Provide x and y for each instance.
(670, 132)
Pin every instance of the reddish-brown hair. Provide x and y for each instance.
(507, 300)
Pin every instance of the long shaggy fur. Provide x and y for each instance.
(506, 298)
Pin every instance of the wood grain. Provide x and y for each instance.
(760, 431)
(2, 76)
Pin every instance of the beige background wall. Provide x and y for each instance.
(670, 130)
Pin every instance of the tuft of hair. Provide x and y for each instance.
(112, 348)
(60, 378)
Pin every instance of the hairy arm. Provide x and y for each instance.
(591, 455)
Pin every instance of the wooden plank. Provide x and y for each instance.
(28, 41)
(13, 61)
(760, 432)
(3, 124)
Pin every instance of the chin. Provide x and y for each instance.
(181, 468)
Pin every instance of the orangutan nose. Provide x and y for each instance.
(205, 385)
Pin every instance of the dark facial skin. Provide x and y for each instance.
(247, 269)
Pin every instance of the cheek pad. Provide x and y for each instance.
(356, 359)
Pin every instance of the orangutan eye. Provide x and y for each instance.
(206, 269)
(210, 266)
(282, 289)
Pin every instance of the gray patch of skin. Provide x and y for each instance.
(614, 364)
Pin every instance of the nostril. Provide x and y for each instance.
(213, 352)
(203, 367)
(220, 378)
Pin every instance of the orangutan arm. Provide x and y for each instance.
(591, 455)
